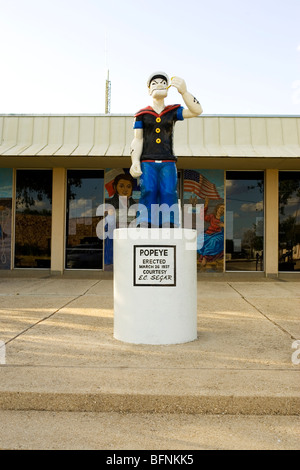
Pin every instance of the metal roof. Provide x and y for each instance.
(111, 135)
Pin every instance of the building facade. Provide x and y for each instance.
(238, 175)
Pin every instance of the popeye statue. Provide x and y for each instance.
(152, 155)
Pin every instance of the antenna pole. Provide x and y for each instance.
(107, 94)
(107, 82)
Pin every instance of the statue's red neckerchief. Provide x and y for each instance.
(150, 110)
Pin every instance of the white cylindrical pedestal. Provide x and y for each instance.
(155, 285)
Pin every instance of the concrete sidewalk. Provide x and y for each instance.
(61, 355)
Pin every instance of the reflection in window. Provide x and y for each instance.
(84, 249)
(6, 176)
(289, 221)
(33, 219)
(244, 220)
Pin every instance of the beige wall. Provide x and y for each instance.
(58, 219)
(271, 222)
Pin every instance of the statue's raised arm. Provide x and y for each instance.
(193, 105)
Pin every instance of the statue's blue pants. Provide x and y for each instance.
(158, 184)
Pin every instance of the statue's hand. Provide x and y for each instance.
(179, 83)
(135, 170)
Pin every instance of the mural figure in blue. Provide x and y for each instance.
(213, 243)
(122, 186)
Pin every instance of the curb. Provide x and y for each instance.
(138, 390)
(138, 403)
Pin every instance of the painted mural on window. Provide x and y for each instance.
(122, 193)
(203, 197)
(6, 176)
(289, 221)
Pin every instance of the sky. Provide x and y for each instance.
(236, 56)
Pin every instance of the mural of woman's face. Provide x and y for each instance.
(220, 211)
(124, 188)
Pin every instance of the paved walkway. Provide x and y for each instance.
(61, 356)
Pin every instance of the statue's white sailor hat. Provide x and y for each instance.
(157, 74)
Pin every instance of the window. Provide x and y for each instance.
(84, 250)
(33, 219)
(289, 221)
(244, 220)
(203, 198)
(6, 177)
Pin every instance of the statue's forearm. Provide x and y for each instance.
(192, 103)
(136, 149)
